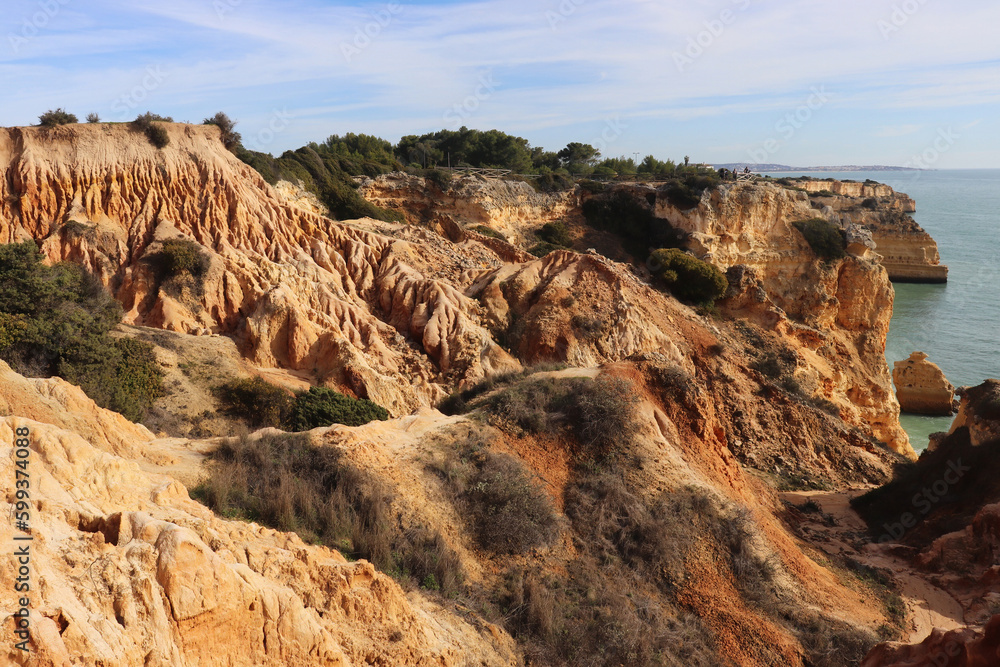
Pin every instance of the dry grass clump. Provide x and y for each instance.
(286, 482)
(503, 503)
(600, 413)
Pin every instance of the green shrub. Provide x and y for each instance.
(555, 233)
(231, 139)
(156, 134)
(321, 406)
(688, 277)
(56, 321)
(129, 382)
(544, 248)
(257, 401)
(286, 482)
(505, 507)
(326, 171)
(825, 238)
(93, 118)
(180, 256)
(52, 118)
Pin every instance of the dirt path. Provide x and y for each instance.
(928, 606)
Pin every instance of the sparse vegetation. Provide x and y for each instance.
(57, 321)
(54, 117)
(688, 277)
(231, 139)
(600, 413)
(825, 238)
(505, 508)
(286, 482)
(180, 256)
(157, 134)
(488, 231)
(93, 118)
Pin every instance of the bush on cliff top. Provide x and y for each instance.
(227, 127)
(825, 238)
(54, 117)
(157, 134)
(56, 320)
(688, 277)
(321, 406)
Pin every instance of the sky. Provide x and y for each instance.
(800, 82)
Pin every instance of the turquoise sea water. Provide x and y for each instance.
(958, 324)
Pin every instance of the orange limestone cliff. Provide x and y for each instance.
(907, 252)
(837, 313)
(921, 386)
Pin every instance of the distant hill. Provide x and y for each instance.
(785, 167)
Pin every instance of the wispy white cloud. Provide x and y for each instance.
(367, 67)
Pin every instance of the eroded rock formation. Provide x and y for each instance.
(921, 386)
(127, 570)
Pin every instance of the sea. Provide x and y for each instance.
(956, 324)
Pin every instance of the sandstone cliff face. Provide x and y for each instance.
(127, 570)
(403, 315)
(297, 290)
(834, 313)
(921, 387)
(907, 252)
(958, 648)
(509, 207)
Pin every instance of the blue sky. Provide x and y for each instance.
(802, 82)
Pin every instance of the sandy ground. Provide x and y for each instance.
(928, 606)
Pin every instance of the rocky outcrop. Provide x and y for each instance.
(832, 312)
(979, 412)
(511, 208)
(959, 648)
(921, 387)
(907, 252)
(127, 570)
(379, 317)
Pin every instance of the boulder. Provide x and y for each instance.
(921, 387)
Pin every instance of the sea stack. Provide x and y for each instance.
(921, 387)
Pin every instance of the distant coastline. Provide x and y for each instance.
(786, 168)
